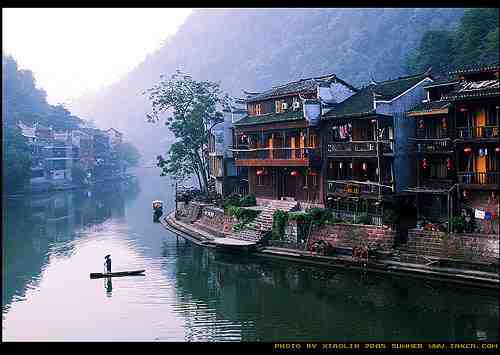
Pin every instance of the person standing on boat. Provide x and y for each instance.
(107, 263)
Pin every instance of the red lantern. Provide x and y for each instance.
(421, 124)
(365, 166)
(497, 149)
(425, 164)
(294, 173)
(444, 123)
(259, 172)
(373, 121)
(449, 164)
(463, 109)
(467, 150)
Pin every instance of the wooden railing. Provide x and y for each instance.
(488, 178)
(356, 188)
(278, 153)
(477, 132)
(423, 133)
(359, 147)
(434, 145)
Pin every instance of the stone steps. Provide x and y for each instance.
(264, 221)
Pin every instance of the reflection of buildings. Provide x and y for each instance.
(33, 226)
(268, 301)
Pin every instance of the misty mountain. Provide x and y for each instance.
(254, 49)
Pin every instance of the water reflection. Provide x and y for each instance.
(108, 285)
(271, 300)
(37, 227)
(188, 293)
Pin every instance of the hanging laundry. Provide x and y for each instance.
(479, 214)
(487, 216)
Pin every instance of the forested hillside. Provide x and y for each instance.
(474, 41)
(254, 49)
(23, 101)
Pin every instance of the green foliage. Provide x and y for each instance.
(23, 101)
(128, 153)
(248, 200)
(390, 216)
(473, 42)
(192, 109)
(16, 160)
(363, 218)
(433, 52)
(458, 224)
(280, 218)
(320, 216)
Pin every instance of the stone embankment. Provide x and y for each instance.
(207, 226)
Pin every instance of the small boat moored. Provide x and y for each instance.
(157, 210)
(96, 275)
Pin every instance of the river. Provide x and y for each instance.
(51, 243)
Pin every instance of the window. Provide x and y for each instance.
(313, 140)
(279, 106)
(258, 109)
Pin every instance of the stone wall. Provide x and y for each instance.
(351, 235)
(189, 212)
(213, 220)
(473, 248)
(487, 201)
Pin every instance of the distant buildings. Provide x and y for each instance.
(55, 153)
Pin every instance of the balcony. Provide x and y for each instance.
(430, 134)
(277, 157)
(362, 148)
(434, 146)
(480, 180)
(356, 188)
(470, 133)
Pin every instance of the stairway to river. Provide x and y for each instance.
(255, 230)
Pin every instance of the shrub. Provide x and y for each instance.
(248, 200)
(390, 216)
(458, 224)
(280, 218)
(363, 218)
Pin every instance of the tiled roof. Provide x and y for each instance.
(475, 89)
(303, 85)
(271, 118)
(389, 89)
(474, 68)
(430, 106)
(442, 82)
(361, 103)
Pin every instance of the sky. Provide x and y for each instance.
(74, 51)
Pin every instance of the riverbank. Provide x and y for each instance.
(382, 266)
(66, 187)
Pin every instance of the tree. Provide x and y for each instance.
(475, 41)
(16, 160)
(192, 108)
(128, 153)
(434, 51)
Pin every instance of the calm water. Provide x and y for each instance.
(51, 244)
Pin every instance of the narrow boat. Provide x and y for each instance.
(96, 275)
